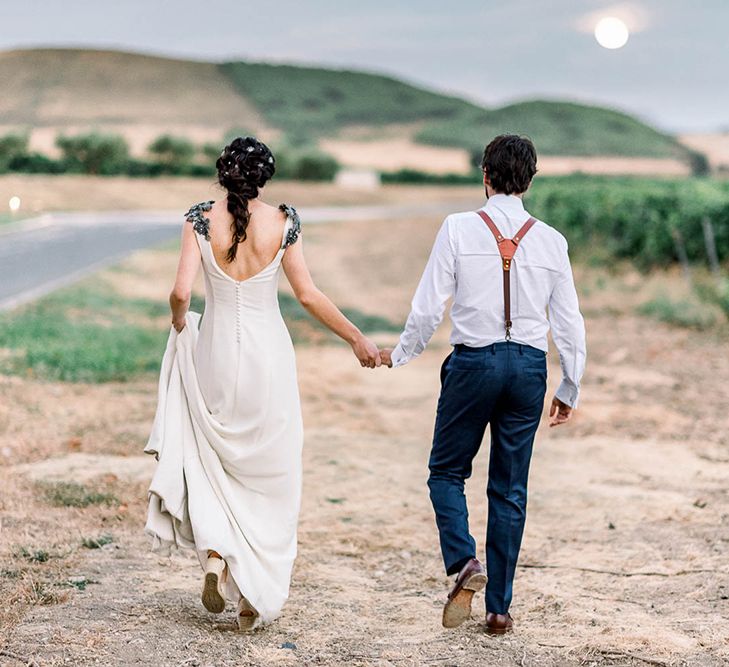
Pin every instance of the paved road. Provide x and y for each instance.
(40, 255)
(46, 253)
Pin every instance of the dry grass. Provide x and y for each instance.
(91, 193)
(623, 558)
(714, 145)
(391, 154)
(68, 90)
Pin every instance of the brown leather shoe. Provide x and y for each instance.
(471, 579)
(498, 624)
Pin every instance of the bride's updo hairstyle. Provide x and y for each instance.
(244, 166)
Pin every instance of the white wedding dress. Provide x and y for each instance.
(228, 434)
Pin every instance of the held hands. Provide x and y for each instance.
(366, 352)
(559, 412)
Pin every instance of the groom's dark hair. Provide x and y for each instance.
(510, 162)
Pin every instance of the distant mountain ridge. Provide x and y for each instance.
(68, 89)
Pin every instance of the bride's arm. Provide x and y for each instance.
(322, 308)
(187, 269)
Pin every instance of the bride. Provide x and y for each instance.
(227, 434)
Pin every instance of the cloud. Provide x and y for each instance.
(636, 17)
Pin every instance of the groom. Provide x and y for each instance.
(504, 270)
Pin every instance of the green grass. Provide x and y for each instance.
(70, 494)
(715, 292)
(96, 542)
(307, 102)
(33, 555)
(90, 333)
(300, 322)
(683, 313)
(86, 333)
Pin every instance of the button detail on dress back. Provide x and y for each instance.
(237, 312)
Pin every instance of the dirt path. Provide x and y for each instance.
(625, 551)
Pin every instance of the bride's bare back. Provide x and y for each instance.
(263, 238)
(244, 167)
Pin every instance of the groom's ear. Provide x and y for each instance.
(486, 179)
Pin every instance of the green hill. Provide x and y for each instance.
(142, 95)
(322, 101)
(558, 128)
(306, 100)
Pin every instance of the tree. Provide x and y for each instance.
(699, 163)
(12, 147)
(211, 151)
(172, 151)
(94, 153)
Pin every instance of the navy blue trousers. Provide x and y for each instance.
(502, 385)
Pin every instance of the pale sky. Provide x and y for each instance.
(674, 70)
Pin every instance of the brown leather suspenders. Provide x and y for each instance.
(507, 248)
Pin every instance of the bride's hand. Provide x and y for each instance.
(179, 325)
(366, 351)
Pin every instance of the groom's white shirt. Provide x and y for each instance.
(465, 264)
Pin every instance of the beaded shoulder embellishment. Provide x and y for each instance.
(200, 223)
(293, 232)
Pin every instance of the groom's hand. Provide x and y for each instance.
(386, 356)
(559, 412)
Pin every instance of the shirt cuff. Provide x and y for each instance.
(568, 393)
(398, 356)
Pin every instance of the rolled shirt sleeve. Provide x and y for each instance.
(428, 305)
(568, 333)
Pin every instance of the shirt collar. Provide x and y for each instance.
(510, 204)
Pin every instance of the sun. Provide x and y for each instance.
(611, 33)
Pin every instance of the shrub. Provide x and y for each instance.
(12, 147)
(94, 153)
(172, 151)
(305, 164)
(634, 217)
(36, 163)
(699, 163)
(316, 166)
(413, 176)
